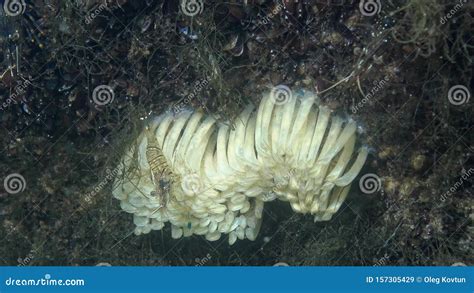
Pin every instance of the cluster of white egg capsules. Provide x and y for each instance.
(215, 177)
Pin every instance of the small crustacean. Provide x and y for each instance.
(160, 172)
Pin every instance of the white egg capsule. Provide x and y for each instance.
(289, 149)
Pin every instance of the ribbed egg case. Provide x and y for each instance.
(294, 151)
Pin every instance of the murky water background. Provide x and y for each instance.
(78, 77)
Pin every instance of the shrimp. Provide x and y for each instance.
(160, 172)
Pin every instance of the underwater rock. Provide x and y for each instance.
(208, 178)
